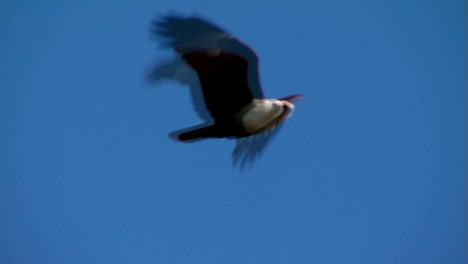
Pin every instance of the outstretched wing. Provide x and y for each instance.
(190, 34)
(223, 78)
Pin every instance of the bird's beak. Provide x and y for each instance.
(292, 98)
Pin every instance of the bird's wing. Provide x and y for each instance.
(223, 78)
(248, 149)
(189, 34)
(178, 70)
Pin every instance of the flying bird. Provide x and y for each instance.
(229, 88)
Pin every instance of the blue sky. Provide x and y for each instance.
(370, 169)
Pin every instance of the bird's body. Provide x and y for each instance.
(254, 118)
(236, 112)
(228, 78)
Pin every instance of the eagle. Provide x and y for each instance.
(226, 92)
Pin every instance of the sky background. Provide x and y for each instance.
(370, 169)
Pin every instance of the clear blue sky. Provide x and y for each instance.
(370, 169)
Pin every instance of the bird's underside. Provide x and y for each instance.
(235, 102)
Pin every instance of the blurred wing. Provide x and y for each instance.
(189, 34)
(223, 78)
(178, 70)
(249, 149)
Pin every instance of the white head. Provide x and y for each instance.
(287, 103)
(288, 107)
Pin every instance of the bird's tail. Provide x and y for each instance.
(194, 133)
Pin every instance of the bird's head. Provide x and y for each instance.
(289, 100)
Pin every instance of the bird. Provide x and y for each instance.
(230, 92)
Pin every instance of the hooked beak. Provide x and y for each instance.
(292, 98)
